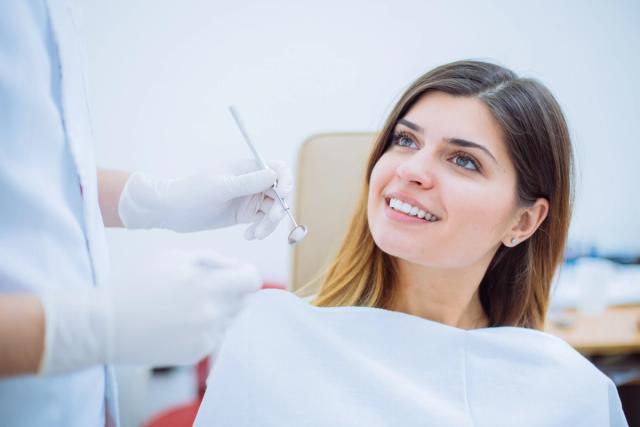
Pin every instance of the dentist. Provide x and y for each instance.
(61, 324)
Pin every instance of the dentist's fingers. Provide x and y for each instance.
(209, 260)
(228, 285)
(267, 204)
(272, 208)
(276, 213)
(285, 177)
(264, 228)
(249, 233)
(270, 215)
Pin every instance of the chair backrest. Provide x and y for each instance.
(329, 180)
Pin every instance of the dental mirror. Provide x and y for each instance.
(299, 232)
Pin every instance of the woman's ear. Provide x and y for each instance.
(527, 222)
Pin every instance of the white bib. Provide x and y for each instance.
(287, 363)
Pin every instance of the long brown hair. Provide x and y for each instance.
(515, 288)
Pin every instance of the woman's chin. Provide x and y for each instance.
(399, 248)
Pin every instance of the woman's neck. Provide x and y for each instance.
(450, 297)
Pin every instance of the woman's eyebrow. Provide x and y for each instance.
(411, 125)
(453, 141)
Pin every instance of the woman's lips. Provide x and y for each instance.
(406, 200)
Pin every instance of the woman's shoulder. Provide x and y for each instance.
(534, 366)
(536, 349)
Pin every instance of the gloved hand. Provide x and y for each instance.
(176, 314)
(236, 193)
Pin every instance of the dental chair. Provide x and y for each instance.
(329, 177)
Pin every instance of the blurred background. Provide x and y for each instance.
(161, 73)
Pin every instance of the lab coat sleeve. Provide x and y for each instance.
(616, 415)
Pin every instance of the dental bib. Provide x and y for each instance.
(287, 363)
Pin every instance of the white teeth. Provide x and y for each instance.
(411, 210)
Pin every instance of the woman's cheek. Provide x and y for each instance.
(381, 175)
(483, 213)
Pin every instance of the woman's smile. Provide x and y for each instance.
(406, 210)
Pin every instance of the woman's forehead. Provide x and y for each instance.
(440, 116)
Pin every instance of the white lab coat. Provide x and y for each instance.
(287, 363)
(51, 230)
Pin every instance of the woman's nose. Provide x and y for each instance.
(417, 170)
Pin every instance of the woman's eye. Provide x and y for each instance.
(465, 162)
(404, 140)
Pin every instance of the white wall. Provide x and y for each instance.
(161, 74)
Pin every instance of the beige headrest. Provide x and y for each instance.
(329, 180)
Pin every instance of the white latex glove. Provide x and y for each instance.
(176, 314)
(236, 193)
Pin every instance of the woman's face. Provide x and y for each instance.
(443, 195)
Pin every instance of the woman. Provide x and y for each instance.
(429, 314)
(489, 155)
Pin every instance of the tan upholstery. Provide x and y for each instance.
(329, 180)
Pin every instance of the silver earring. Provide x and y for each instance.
(514, 241)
